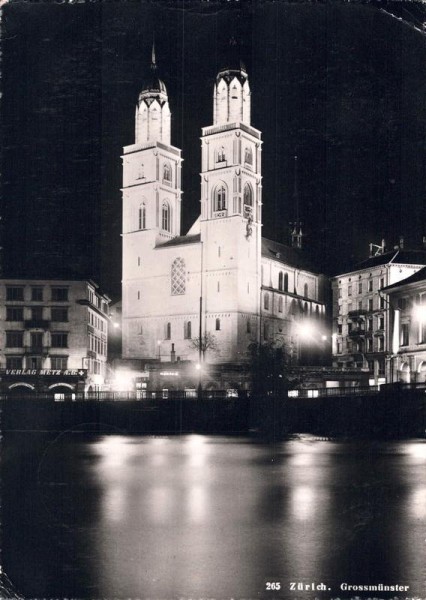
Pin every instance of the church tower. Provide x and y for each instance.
(151, 195)
(151, 175)
(231, 215)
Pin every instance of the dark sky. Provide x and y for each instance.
(343, 85)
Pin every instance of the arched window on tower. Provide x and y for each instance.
(305, 290)
(281, 281)
(280, 304)
(141, 172)
(220, 157)
(167, 173)
(178, 277)
(220, 198)
(248, 156)
(217, 324)
(165, 217)
(286, 282)
(142, 216)
(266, 301)
(248, 197)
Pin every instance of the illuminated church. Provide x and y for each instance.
(221, 282)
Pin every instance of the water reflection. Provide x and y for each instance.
(203, 516)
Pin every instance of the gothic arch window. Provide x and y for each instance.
(165, 217)
(248, 156)
(305, 290)
(281, 281)
(248, 195)
(221, 157)
(142, 216)
(220, 197)
(280, 304)
(167, 173)
(217, 324)
(286, 282)
(178, 277)
(168, 332)
(187, 330)
(141, 172)
(266, 301)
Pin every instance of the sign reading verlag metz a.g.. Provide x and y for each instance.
(45, 372)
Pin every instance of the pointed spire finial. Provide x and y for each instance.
(153, 61)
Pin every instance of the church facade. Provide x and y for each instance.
(211, 293)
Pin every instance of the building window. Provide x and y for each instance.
(402, 303)
(220, 198)
(382, 302)
(142, 216)
(14, 339)
(59, 339)
(280, 304)
(59, 314)
(370, 304)
(266, 331)
(14, 313)
(339, 292)
(381, 343)
(14, 293)
(221, 155)
(187, 330)
(178, 277)
(369, 345)
(423, 333)
(217, 324)
(360, 305)
(349, 290)
(281, 281)
(381, 322)
(266, 301)
(37, 313)
(36, 341)
(248, 156)
(360, 287)
(168, 333)
(404, 336)
(167, 173)
(305, 290)
(37, 294)
(248, 195)
(370, 285)
(165, 217)
(13, 362)
(248, 326)
(339, 347)
(286, 282)
(382, 282)
(370, 324)
(59, 294)
(339, 328)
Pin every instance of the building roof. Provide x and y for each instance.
(286, 255)
(396, 256)
(181, 240)
(417, 277)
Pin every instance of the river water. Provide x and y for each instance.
(115, 516)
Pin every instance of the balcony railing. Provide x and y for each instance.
(37, 324)
(38, 349)
(356, 333)
(354, 314)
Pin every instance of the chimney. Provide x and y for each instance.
(401, 242)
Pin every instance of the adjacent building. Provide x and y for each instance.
(407, 330)
(220, 287)
(361, 316)
(53, 335)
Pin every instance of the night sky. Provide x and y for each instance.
(342, 85)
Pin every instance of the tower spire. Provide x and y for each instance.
(296, 234)
(153, 60)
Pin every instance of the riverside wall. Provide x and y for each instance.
(399, 414)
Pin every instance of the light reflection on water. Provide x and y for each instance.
(204, 516)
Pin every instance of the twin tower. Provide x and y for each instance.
(208, 281)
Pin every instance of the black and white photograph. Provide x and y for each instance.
(213, 300)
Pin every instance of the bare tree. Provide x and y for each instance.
(207, 342)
